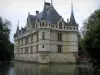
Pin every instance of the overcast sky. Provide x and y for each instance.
(15, 10)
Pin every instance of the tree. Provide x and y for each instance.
(5, 44)
(91, 41)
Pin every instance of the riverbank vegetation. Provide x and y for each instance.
(90, 37)
(6, 47)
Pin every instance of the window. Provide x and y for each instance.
(26, 50)
(43, 35)
(67, 27)
(22, 50)
(70, 28)
(26, 40)
(74, 28)
(18, 42)
(49, 25)
(56, 26)
(18, 51)
(60, 25)
(31, 38)
(37, 37)
(42, 46)
(37, 48)
(53, 26)
(42, 23)
(22, 41)
(59, 37)
(59, 48)
(46, 24)
(31, 49)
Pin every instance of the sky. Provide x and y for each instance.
(15, 10)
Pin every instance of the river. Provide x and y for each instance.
(20, 68)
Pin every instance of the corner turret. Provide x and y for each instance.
(72, 18)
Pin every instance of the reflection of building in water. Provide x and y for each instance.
(47, 37)
(34, 69)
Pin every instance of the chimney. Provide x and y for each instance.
(37, 12)
(67, 20)
(47, 4)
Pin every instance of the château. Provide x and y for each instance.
(47, 37)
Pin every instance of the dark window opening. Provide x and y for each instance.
(31, 49)
(42, 46)
(42, 23)
(37, 48)
(74, 28)
(43, 35)
(53, 26)
(56, 26)
(46, 24)
(60, 25)
(59, 37)
(59, 48)
(70, 28)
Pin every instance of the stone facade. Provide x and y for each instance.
(47, 38)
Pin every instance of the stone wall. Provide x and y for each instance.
(47, 57)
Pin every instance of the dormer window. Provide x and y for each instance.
(74, 28)
(49, 25)
(42, 23)
(53, 26)
(56, 26)
(46, 24)
(70, 28)
(60, 25)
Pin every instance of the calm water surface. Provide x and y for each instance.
(19, 68)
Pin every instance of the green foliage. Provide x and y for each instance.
(91, 40)
(6, 47)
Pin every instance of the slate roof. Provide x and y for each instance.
(72, 19)
(49, 14)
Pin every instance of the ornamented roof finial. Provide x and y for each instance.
(72, 4)
(72, 19)
(17, 27)
(51, 2)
